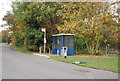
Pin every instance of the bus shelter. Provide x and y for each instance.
(63, 41)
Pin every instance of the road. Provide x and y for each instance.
(17, 65)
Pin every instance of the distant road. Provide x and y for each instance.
(17, 65)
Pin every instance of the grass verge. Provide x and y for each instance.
(106, 63)
(20, 49)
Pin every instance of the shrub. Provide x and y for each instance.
(100, 52)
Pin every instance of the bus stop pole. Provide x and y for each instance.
(45, 41)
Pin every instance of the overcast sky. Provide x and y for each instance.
(5, 5)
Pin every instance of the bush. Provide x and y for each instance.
(80, 47)
(18, 39)
(100, 52)
(30, 38)
(33, 39)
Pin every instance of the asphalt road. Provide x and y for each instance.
(17, 65)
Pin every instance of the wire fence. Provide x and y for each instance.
(110, 51)
(83, 50)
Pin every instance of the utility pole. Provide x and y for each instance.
(43, 29)
(44, 40)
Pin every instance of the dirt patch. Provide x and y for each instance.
(79, 70)
(81, 55)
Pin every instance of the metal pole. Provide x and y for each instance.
(49, 51)
(106, 50)
(40, 49)
(45, 41)
(44, 47)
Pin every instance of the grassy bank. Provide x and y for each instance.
(97, 62)
(20, 49)
(106, 63)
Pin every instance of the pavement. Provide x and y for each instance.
(17, 65)
(44, 55)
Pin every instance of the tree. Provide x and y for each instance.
(29, 17)
(4, 35)
(38, 14)
(90, 21)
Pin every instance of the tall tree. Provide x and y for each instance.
(38, 14)
(90, 21)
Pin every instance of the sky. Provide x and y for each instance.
(5, 5)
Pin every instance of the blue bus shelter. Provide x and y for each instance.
(63, 40)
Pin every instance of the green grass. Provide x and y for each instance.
(21, 49)
(110, 64)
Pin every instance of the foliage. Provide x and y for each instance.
(91, 21)
(21, 49)
(4, 36)
(9, 18)
(80, 47)
(34, 38)
(29, 38)
(36, 15)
